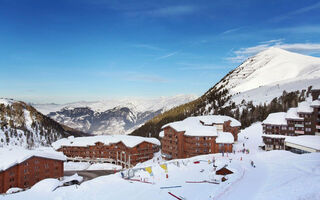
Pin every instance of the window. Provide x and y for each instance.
(308, 129)
(284, 128)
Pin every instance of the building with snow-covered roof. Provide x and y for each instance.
(199, 135)
(124, 150)
(23, 168)
(299, 121)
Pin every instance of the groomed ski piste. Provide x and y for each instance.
(276, 175)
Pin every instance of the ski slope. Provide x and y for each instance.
(277, 175)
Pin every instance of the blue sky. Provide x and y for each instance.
(71, 50)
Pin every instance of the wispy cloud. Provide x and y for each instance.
(149, 47)
(164, 11)
(299, 29)
(173, 11)
(276, 41)
(167, 55)
(195, 67)
(231, 30)
(145, 78)
(312, 7)
(243, 53)
(132, 76)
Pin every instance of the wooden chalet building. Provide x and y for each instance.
(199, 135)
(23, 168)
(303, 120)
(123, 150)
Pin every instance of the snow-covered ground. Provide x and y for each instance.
(78, 166)
(277, 175)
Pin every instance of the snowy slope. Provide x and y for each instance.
(267, 74)
(111, 116)
(271, 67)
(279, 175)
(137, 104)
(22, 125)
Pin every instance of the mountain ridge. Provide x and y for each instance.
(232, 96)
(22, 125)
(112, 116)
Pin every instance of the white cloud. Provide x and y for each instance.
(304, 48)
(315, 6)
(167, 55)
(195, 67)
(147, 46)
(299, 29)
(231, 30)
(145, 78)
(172, 11)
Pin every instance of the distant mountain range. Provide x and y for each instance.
(22, 125)
(111, 116)
(272, 80)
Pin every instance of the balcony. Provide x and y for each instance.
(299, 125)
(317, 126)
(299, 132)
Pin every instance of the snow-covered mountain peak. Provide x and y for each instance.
(111, 116)
(271, 67)
(6, 101)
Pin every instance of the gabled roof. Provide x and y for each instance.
(304, 107)
(278, 118)
(224, 171)
(192, 126)
(127, 140)
(225, 138)
(315, 103)
(10, 157)
(293, 114)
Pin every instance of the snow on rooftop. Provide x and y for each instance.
(304, 107)
(293, 114)
(11, 157)
(193, 126)
(315, 103)
(225, 138)
(311, 141)
(128, 140)
(218, 119)
(274, 136)
(278, 118)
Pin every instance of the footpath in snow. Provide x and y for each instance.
(277, 175)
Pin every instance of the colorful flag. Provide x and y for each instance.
(164, 166)
(148, 169)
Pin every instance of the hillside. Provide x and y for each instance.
(111, 116)
(270, 81)
(277, 175)
(22, 125)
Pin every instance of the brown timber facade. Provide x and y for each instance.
(119, 153)
(306, 123)
(175, 144)
(29, 172)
